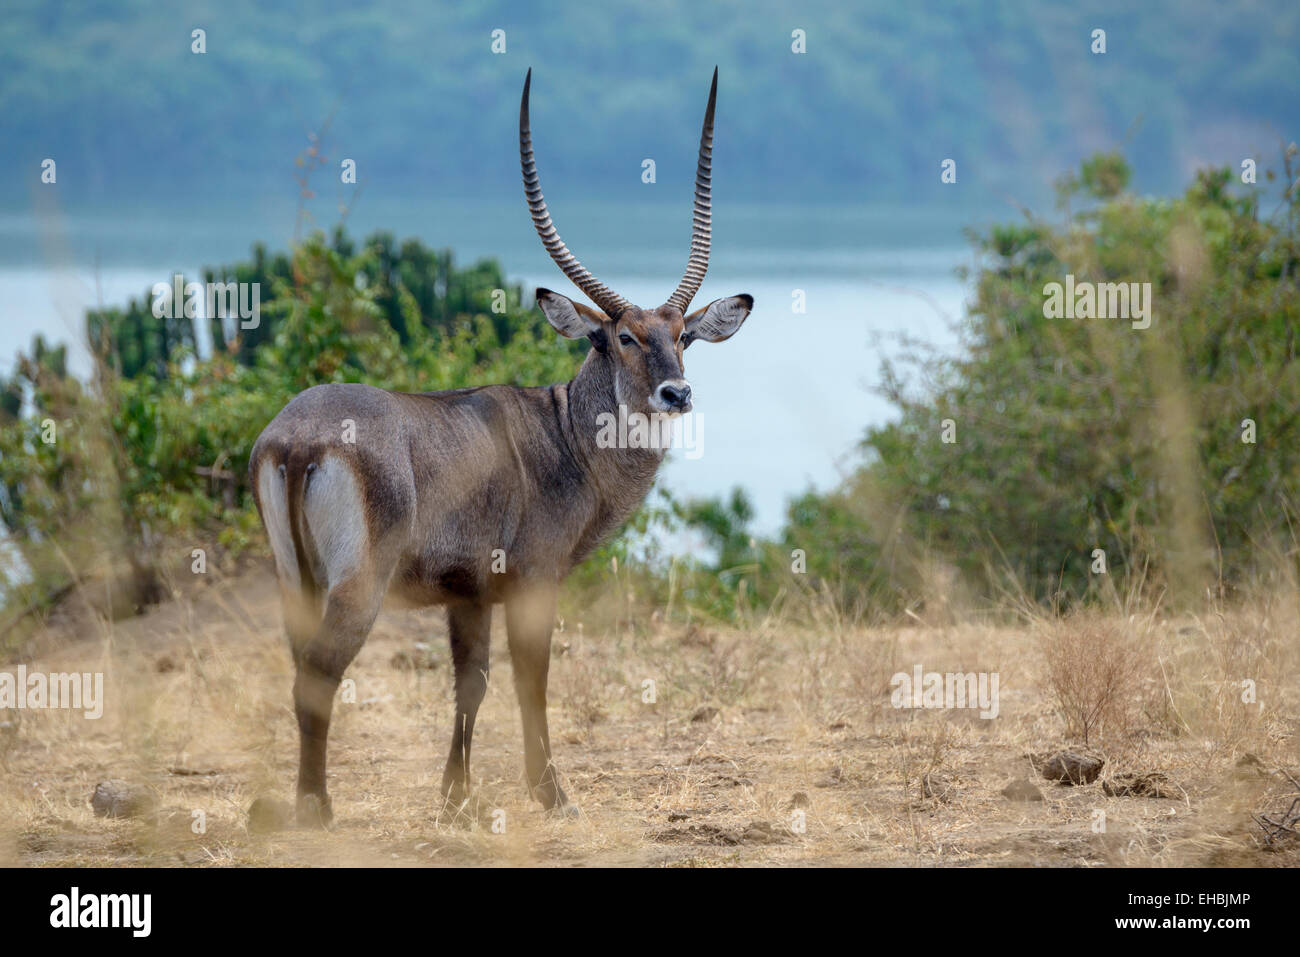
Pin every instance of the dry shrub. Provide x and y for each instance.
(838, 651)
(1210, 665)
(733, 668)
(1095, 669)
(579, 684)
(920, 751)
(870, 662)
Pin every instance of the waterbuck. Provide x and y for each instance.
(472, 497)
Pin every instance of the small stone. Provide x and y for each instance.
(1150, 784)
(832, 778)
(1022, 789)
(706, 713)
(117, 798)
(1067, 767)
(269, 814)
(1248, 766)
(759, 832)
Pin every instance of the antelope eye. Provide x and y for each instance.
(624, 338)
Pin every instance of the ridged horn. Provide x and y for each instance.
(702, 219)
(604, 297)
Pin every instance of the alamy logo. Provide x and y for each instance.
(38, 691)
(220, 300)
(133, 911)
(656, 430)
(1092, 300)
(933, 689)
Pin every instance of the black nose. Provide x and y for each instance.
(675, 396)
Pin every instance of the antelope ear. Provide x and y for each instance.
(571, 319)
(718, 320)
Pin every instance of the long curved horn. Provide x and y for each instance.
(702, 221)
(608, 300)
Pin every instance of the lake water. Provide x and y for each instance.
(780, 407)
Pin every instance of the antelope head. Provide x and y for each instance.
(644, 346)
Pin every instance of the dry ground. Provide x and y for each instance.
(751, 731)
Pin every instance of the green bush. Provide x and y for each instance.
(1080, 434)
(155, 451)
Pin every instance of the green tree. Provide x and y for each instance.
(1071, 435)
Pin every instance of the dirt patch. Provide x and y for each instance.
(762, 748)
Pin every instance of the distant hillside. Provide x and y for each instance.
(1009, 89)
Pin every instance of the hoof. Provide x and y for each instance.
(315, 810)
(453, 796)
(455, 815)
(567, 811)
(457, 807)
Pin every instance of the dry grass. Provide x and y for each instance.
(768, 746)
